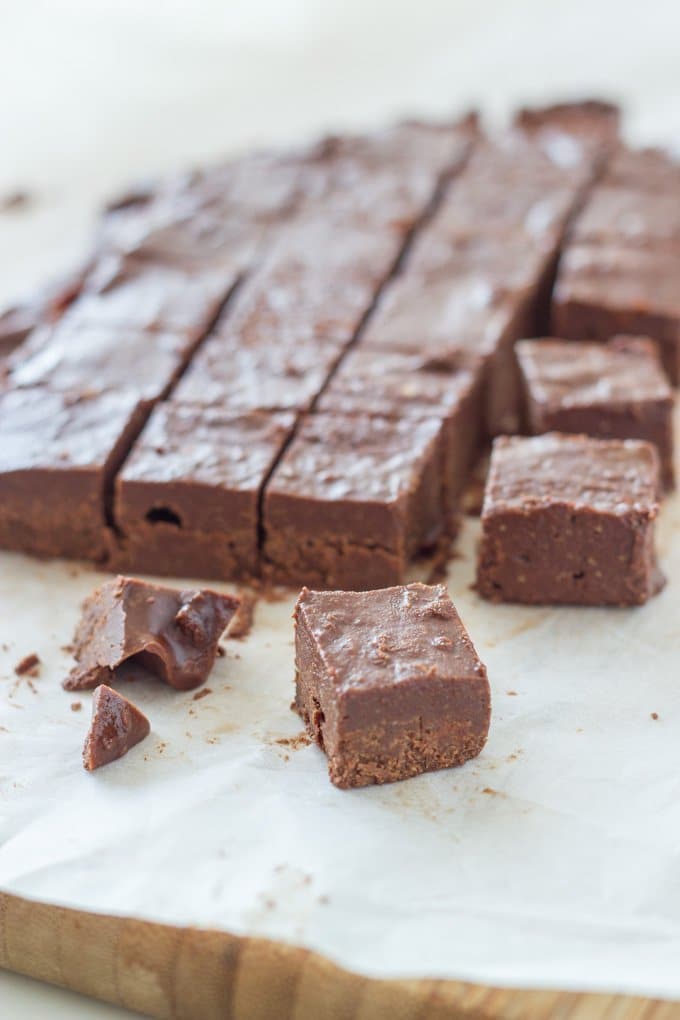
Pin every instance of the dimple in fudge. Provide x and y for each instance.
(616, 390)
(569, 519)
(129, 623)
(388, 682)
(117, 725)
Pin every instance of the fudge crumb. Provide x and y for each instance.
(295, 743)
(324, 899)
(490, 790)
(76, 706)
(655, 715)
(511, 694)
(203, 693)
(30, 664)
(220, 652)
(15, 200)
(242, 624)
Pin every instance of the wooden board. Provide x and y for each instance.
(189, 974)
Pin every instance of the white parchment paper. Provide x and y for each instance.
(551, 860)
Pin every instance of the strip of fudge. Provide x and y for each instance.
(388, 682)
(653, 170)
(602, 291)
(594, 123)
(129, 624)
(352, 500)
(58, 455)
(186, 501)
(570, 519)
(396, 384)
(117, 726)
(627, 217)
(616, 390)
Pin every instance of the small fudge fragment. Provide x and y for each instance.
(129, 623)
(569, 519)
(603, 291)
(116, 726)
(401, 385)
(186, 500)
(58, 455)
(616, 390)
(353, 498)
(388, 682)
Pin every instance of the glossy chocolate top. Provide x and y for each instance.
(185, 442)
(567, 373)
(40, 428)
(336, 457)
(171, 633)
(605, 476)
(653, 170)
(379, 639)
(628, 216)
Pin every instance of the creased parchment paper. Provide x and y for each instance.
(551, 860)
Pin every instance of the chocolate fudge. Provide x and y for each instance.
(129, 626)
(58, 455)
(227, 373)
(626, 217)
(400, 385)
(117, 725)
(602, 291)
(569, 519)
(388, 682)
(652, 170)
(616, 390)
(187, 498)
(464, 312)
(353, 498)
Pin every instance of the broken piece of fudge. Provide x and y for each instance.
(186, 500)
(129, 623)
(616, 390)
(116, 726)
(353, 498)
(569, 519)
(388, 682)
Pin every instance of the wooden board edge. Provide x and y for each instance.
(174, 973)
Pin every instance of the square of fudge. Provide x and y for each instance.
(570, 519)
(68, 357)
(274, 374)
(58, 456)
(187, 498)
(603, 291)
(628, 217)
(464, 312)
(616, 390)
(388, 682)
(352, 500)
(398, 384)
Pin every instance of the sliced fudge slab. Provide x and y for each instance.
(569, 519)
(186, 500)
(58, 455)
(352, 500)
(602, 291)
(616, 390)
(265, 375)
(397, 384)
(388, 682)
(129, 623)
(627, 217)
(124, 291)
(652, 170)
(78, 358)
(466, 312)
(117, 726)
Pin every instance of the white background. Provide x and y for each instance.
(93, 94)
